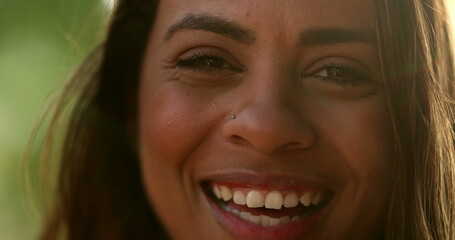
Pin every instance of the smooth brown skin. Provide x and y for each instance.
(285, 124)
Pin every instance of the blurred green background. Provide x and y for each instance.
(41, 42)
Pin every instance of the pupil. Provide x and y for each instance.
(334, 72)
(211, 62)
(338, 73)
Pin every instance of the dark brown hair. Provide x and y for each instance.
(417, 60)
(99, 193)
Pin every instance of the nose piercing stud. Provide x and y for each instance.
(233, 116)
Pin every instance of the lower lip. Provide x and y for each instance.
(242, 229)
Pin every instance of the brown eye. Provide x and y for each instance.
(203, 63)
(210, 67)
(342, 75)
(334, 72)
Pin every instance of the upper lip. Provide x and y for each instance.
(276, 181)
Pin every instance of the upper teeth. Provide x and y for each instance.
(239, 198)
(274, 199)
(226, 194)
(254, 199)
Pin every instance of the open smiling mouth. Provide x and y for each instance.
(268, 208)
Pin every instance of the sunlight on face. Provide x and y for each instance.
(265, 120)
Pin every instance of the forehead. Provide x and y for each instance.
(279, 17)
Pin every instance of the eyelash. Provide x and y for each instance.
(355, 77)
(204, 62)
(209, 63)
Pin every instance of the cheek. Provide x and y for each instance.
(361, 134)
(371, 147)
(169, 130)
(368, 145)
(169, 124)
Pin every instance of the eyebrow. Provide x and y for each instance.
(329, 36)
(308, 38)
(213, 24)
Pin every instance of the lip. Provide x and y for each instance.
(268, 181)
(242, 229)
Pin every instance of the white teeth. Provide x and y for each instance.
(239, 198)
(295, 218)
(245, 215)
(305, 199)
(285, 219)
(265, 220)
(274, 200)
(268, 199)
(291, 200)
(226, 193)
(229, 208)
(316, 199)
(217, 192)
(236, 212)
(274, 221)
(255, 199)
(271, 200)
(255, 219)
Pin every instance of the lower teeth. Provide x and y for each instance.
(263, 220)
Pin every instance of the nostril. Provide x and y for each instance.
(290, 146)
(236, 139)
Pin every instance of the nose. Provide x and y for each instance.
(269, 124)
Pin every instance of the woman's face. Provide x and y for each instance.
(265, 119)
